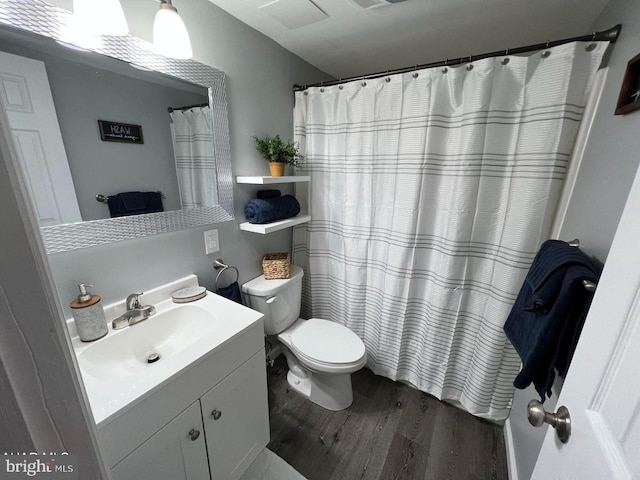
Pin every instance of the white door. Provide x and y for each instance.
(26, 95)
(602, 388)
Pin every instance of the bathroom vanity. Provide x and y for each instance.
(200, 411)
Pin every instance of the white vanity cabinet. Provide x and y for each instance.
(176, 452)
(209, 422)
(236, 420)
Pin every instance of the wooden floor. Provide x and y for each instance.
(391, 431)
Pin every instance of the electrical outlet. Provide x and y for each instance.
(211, 243)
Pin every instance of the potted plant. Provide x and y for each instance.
(278, 153)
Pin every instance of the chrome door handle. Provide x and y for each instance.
(561, 420)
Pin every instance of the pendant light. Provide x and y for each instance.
(170, 36)
(103, 17)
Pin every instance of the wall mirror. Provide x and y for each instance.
(117, 67)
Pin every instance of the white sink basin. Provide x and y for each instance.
(126, 352)
(115, 370)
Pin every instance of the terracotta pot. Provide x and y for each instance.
(276, 169)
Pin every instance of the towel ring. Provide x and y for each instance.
(219, 264)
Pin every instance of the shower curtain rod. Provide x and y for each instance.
(610, 35)
(172, 109)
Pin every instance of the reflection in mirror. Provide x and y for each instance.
(171, 115)
(68, 99)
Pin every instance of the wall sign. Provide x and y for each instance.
(629, 99)
(120, 132)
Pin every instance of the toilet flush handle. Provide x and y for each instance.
(270, 300)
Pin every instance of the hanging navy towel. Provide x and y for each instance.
(266, 210)
(134, 203)
(547, 317)
(232, 292)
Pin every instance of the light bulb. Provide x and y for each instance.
(170, 36)
(100, 17)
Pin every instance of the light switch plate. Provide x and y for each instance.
(211, 242)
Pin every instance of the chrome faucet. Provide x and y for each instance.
(133, 301)
(136, 312)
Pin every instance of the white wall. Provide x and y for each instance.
(260, 76)
(608, 168)
(611, 157)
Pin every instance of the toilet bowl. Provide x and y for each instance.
(321, 355)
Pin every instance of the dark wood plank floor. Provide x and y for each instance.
(391, 431)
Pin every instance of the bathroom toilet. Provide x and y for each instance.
(321, 355)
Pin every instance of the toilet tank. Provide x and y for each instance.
(279, 299)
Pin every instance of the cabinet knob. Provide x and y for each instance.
(194, 434)
(216, 414)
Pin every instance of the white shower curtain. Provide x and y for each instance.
(431, 192)
(193, 150)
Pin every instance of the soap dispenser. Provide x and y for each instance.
(89, 315)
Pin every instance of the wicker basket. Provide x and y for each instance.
(276, 265)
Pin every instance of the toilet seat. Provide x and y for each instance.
(322, 343)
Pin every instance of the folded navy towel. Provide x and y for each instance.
(268, 193)
(266, 210)
(549, 312)
(232, 292)
(134, 203)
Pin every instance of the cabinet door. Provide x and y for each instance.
(177, 451)
(236, 419)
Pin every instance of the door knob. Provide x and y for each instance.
(561, 420)
(194, 434)
(216, 414)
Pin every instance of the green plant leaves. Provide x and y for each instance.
(273, 149)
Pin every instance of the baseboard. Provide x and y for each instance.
(512, 464)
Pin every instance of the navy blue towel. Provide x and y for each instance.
(547, 317)
(232, 292)
(268, 193)
(266, 210)
(134, 203)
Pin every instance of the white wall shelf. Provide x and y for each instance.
(264, 228)
(268, 180)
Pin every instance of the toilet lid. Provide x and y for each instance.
(327, 342)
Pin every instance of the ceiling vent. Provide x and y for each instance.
(368, 4)
(293, 13)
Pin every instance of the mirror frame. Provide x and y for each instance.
(40, 18)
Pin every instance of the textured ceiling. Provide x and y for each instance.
(350, 41)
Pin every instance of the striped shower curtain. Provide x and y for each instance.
(431, 192)
(195, 162)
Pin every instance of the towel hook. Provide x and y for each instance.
(587, 284)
